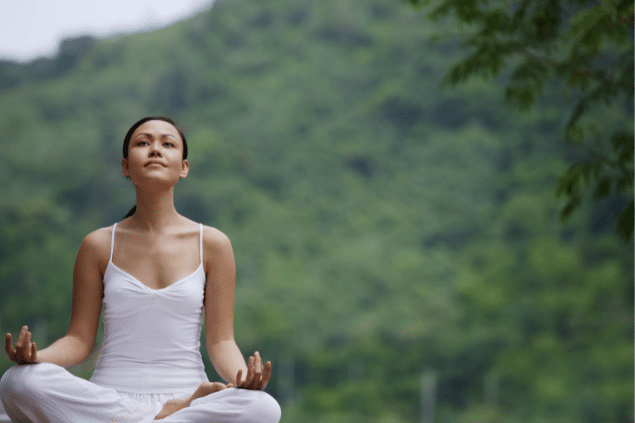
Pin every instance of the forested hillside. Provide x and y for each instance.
(399, 251)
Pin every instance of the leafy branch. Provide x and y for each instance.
(571, 42)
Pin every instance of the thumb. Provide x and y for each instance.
(8, 345)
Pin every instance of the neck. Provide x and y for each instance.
(155, 210)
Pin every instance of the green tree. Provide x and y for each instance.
(587, 48)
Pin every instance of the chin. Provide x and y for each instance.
(154, 184)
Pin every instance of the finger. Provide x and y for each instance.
(23, 350)
(239, 377)
(8, 345)
(257, 367)
(266, 375)
(21, 337)
(23, 340)
(27, 347)
(247, 381)
(33, 352)
(8, 342)
(250, 373)
(231, 385)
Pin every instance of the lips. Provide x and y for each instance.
(153, 162)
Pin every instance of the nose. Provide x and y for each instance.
(155, 151)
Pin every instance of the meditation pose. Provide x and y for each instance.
(157, 275)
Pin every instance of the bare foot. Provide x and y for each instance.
(174, 405)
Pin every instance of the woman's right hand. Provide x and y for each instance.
(255, 378)
(25, 351)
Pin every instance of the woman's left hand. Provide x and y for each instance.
(255, 379)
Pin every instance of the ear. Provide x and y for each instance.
(124, 168)
(185, 168)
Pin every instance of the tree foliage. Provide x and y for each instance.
(383, 237)
(586, 44)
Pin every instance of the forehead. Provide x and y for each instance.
(156, 128)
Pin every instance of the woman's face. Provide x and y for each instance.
(155, 156)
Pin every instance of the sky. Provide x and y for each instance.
(34, 28)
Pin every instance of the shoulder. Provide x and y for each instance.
(99, 239)
(95, 247)
(218, 255)
(215, 240)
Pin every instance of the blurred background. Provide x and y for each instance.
(401, 253)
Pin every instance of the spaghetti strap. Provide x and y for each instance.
(201, 241)
(112, 241)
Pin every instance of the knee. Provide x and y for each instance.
(8, 383)
(265, 408)
(19, 380)
(240, 405)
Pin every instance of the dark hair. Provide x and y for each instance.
(126, 142)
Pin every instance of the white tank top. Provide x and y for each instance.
(151, 336)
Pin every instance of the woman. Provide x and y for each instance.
(157, 274)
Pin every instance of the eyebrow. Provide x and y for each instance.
(150, 135)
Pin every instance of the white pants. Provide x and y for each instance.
(47, 393)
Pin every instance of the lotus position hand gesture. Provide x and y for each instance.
(255, 379)
(25, 351)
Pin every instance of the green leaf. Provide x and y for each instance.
(418, 4)
(585, 170)
(585, 20)
(569, 182)
(569, 208)
(581, 107)
(602, 189)
(625, 183)
(623, 145)
(521, 96)
(628, 7)
(619, 140)
(467, 10)
(519, 14)
(626, 155)
(574, 135)
(546, 21)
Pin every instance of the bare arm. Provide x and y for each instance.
(219, 317)
(219, 306)
(79, 341)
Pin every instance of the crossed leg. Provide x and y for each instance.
(48, 393)
(229, 405)
(174, 405)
